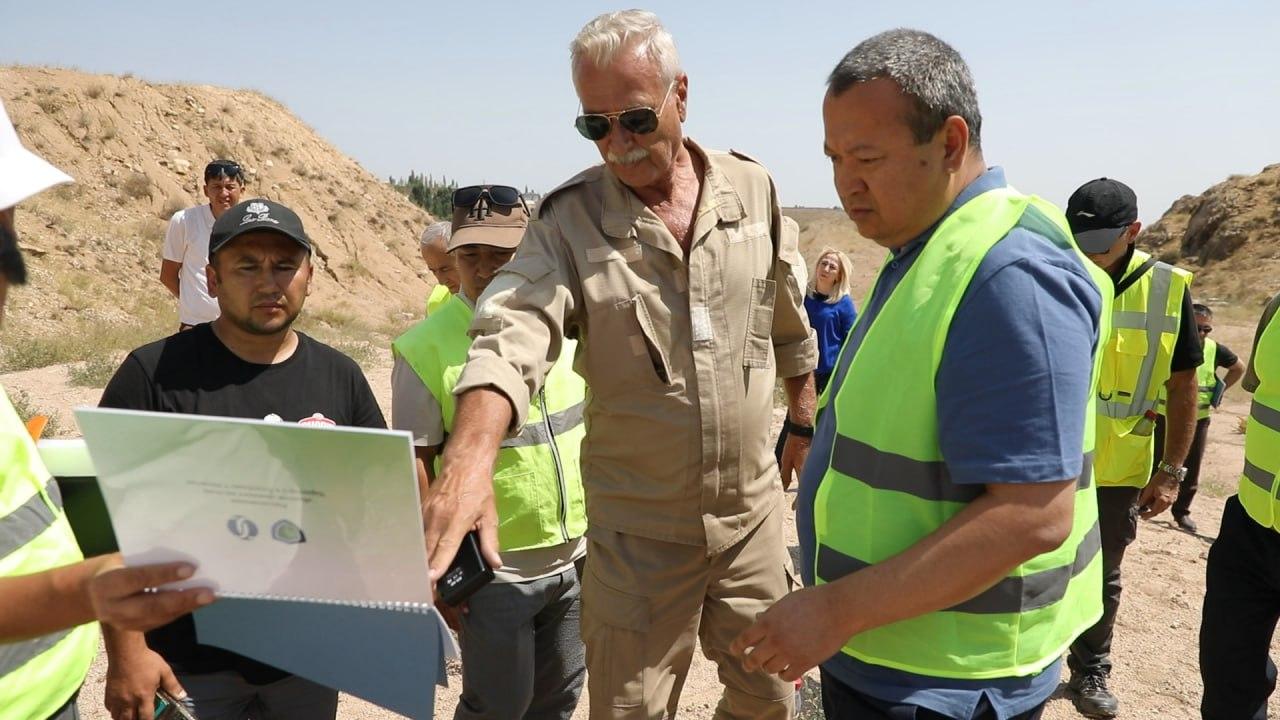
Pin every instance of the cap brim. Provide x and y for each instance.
(306, 244)
(1096, 242)
(23, 174)
(500, 237)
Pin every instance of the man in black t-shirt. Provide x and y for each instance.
(248, 363)
(1211, 387)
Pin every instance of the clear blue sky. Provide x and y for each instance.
(1170, 96)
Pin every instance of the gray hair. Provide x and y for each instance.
(928, 71)
(600, 41)
(436, 232)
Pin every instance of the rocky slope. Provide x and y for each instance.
(137, 151)
(1229, 236)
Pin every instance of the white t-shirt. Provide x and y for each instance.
(187, 242)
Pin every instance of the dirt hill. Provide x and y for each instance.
(137, 151)
(1228, 235)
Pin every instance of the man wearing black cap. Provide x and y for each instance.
(247, 363)
(1153, 345)
(186, 243)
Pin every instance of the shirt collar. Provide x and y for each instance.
(621, 207)
(991, 179)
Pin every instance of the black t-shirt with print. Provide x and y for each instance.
(193, 372)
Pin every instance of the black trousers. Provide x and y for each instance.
(1118, 525)
(841, 702)
(1241, 606)
(1190, 483)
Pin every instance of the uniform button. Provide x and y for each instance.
(893, 265)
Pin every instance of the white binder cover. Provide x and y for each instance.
(293, 526)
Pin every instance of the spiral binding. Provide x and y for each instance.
(413, 607)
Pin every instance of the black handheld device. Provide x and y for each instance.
(468, 573)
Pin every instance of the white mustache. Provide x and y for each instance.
(630, 157)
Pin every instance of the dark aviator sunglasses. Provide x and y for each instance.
(637, 121)
(501, 195)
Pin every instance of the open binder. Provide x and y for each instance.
(311, 536)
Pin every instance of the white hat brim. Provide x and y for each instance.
(23, 174)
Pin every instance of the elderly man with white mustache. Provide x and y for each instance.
(670, 266)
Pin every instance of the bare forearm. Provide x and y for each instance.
(122, 643)
(1234, 373)
(481, 422)
(1182, 392)
(973, 550)
(45, 602)
(801, 398)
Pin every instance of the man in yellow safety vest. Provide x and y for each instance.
(1153, 351)
(49, 594)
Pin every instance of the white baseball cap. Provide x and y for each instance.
(22, 172)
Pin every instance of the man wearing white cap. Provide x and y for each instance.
(49, 595)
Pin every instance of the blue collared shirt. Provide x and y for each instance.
(1012, 390)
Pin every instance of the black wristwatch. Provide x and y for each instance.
(804, 431)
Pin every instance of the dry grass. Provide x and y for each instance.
(27, 409)
(135, 186)
(219, 148)
(83, 342)
(94, 372)
(94, 91)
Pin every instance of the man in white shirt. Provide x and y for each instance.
(186, 244)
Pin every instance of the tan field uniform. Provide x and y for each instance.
(680, 357)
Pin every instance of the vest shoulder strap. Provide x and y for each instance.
(1136, 275)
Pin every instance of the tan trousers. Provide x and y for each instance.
(645, 601)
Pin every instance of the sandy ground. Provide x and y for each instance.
(1155, 648)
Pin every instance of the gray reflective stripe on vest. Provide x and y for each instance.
(28, 520)
(1136, 320)
(1267, 417)
(923, 479)
(1013, 594)
(15, 655)
(536, 433)
(1086, 472)
(1154, 322)
(1261, 478)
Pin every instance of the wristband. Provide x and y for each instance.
(804, 431)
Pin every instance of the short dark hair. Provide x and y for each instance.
(927, 70)
(1201, 309)
(229, 169)
(12, 268)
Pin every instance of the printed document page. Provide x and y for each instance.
(264, 508)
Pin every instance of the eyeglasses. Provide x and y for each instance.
(638, 121)
(501, 195)
(223, 167)
(1205, 328)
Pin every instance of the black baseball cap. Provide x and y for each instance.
(1099, 211)
(257, 215)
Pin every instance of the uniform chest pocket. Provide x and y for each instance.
(642, 340)
(758, 352)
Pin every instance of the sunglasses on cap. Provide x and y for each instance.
(637, 121)
(500, 195)
(1205, 328)
(218, 168)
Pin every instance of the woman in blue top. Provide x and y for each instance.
(831, 310)
(831, 314)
